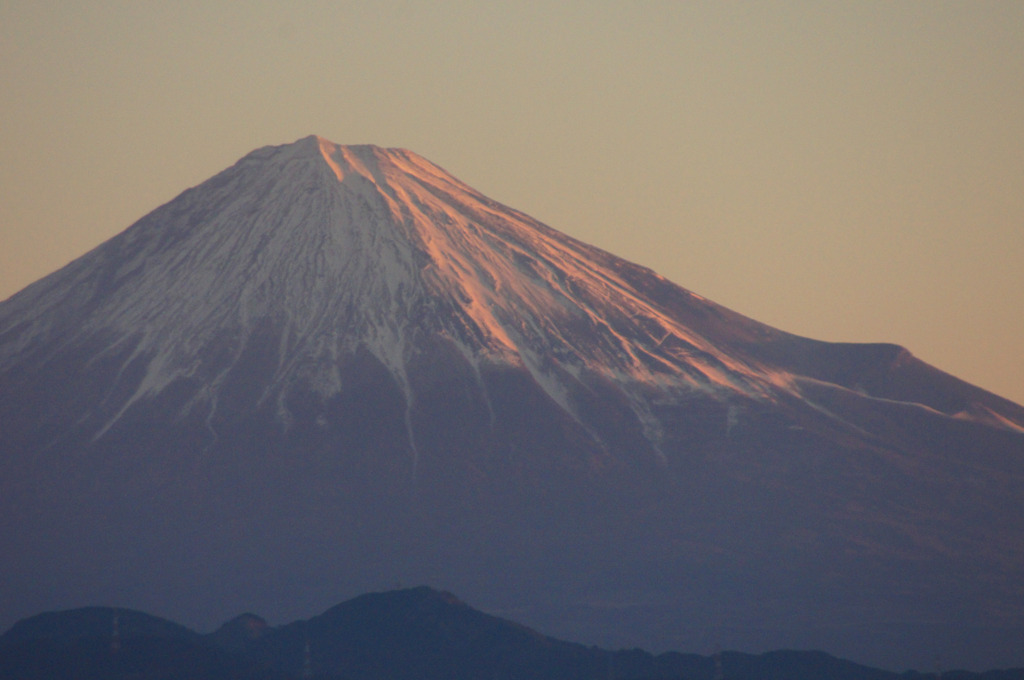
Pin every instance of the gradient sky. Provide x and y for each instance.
(846, 171)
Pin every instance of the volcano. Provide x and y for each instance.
(332, 369)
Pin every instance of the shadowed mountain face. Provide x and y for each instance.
(329, 369)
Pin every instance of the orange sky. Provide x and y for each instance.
(846, 171)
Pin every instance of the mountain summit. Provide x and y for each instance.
(330, 368)
(346, 249)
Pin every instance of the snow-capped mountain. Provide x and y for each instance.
(329, 368)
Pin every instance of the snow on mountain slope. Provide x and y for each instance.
(341, 364)
(343, 246)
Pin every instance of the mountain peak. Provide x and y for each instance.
(380, 249)
(377, 164)
(347, 248)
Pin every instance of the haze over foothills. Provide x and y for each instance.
(845, 171)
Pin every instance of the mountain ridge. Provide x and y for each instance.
(408, 633)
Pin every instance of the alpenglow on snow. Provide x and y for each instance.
(329, 369)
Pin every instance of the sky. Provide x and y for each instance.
(847, 171)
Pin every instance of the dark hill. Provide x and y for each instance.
(413, 634)
(426, 634)
(97, 622)
(104, 643)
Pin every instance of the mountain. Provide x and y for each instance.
(423, 633)
(417, 633)
(107, 642)
(329, 369)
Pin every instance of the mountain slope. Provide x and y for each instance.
(105, 642)
(329, 368)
